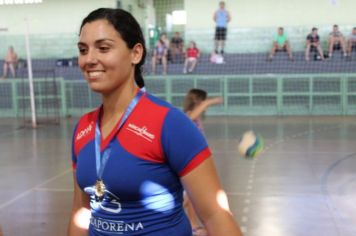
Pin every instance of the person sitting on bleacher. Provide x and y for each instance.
(313, 43)
(351, 43)
(281, 43)
(176, 47)
(10, 63)
(336, 41)
(191, 58)
(160, 53)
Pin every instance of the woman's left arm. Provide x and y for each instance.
(209, 200)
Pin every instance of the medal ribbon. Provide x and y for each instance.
(101, 160)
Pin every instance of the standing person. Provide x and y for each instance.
(313, 42)
(221, 18)
(337, 41)
(10, 62)
(281, 43)
(191, 57)
(176, 47)
(195, 105)
(133, 154)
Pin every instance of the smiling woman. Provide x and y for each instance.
(130, 169)
(106, 60)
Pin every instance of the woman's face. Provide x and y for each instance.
(104, 57)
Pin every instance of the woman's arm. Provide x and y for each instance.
(209, 200)
(194, 114)
(80, 216)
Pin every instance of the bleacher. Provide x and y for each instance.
(256, 63)
(44, 68)
(249, 84)
(235, 64)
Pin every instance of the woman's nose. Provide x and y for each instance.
(91, 58)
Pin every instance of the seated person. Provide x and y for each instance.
(160, 53)
(313, 41)
(191, 57)
(281, 43)
(176, 46)
(336, 40)
(10, 63)
(351, 43)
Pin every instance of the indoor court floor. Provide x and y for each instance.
(302, 184)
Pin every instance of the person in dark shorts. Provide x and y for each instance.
(176, 47)
(281, 43)
(313, 42)
(351, 42)
(221, 18)
(336, 41)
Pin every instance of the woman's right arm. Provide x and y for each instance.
(80, 216)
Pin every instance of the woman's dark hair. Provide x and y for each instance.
(128, 28)
(193, 97)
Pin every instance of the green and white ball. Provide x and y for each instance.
(250, 144)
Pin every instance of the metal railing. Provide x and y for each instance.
(301, 94)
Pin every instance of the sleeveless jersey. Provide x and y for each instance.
(221, 18)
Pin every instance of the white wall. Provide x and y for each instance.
(51, 16)
(267, 13)
(54, 25)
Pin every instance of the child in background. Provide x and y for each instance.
(191, 57)
(195, 104)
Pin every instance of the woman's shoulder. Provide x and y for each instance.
(158, 101)
(163, 104)
(89, 117)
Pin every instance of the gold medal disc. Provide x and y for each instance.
(99, 188)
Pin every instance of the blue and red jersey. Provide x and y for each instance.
(155, 146)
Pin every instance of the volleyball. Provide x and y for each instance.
(250, 144)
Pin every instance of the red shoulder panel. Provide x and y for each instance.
(85, 131)
(141, 133)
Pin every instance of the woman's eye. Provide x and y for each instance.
(104, 49)
(82, 51)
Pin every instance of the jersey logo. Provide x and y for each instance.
(85, 131)
(110, 202)
(141, 131)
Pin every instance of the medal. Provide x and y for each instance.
(99, 188)
(101, 158)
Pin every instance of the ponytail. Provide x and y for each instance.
(138, 77)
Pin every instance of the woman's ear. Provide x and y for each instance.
(136, 53)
